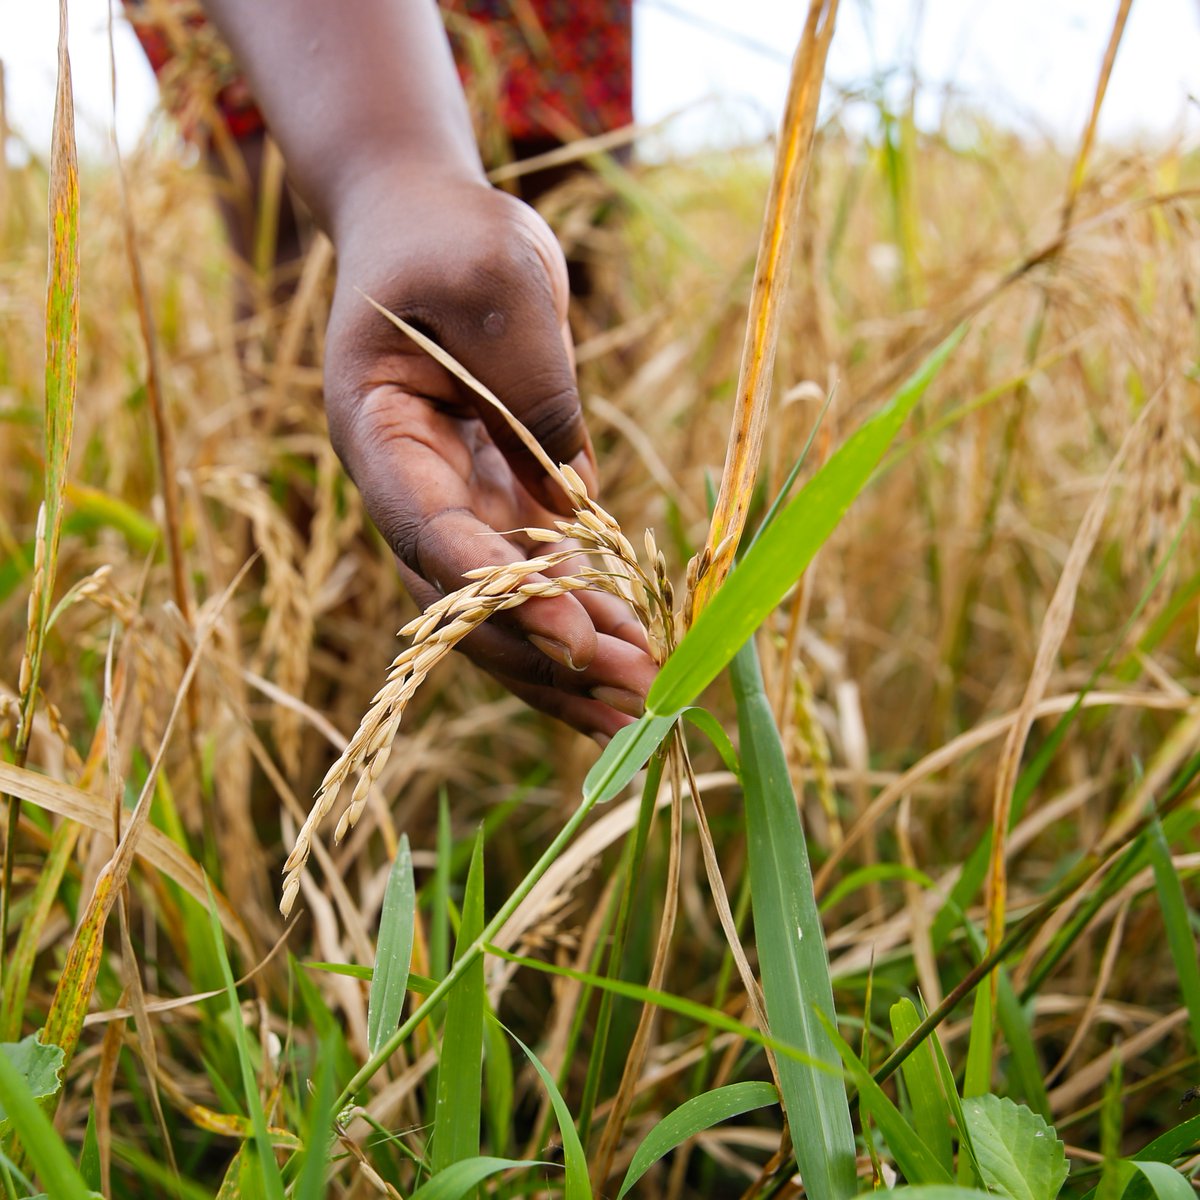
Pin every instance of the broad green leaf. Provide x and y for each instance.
(1019, 1154)
(624, 757)
(693, 1117)
(393, 955)
(460, 1068)
(791, 943)
(578, 1186)
(917, 1163)
(45, 1147)
(780, 555)
(931, 1113)
(1177, 921)
(460, 1177)
(39, 1067)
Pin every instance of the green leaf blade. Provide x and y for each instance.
(693, 1117)
(393, 954)
(578, 1185)
(1177, 922)
(780, 555)
(791, 945)
(1165, 1182)
(916, 1161)
(931, 1113)
(459, 1178)
(624, 757)
(268, 1177)
(460, 1069)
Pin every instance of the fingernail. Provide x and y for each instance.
(556, 650)
(623, 700)
(601, 739)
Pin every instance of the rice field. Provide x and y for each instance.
(910, 900)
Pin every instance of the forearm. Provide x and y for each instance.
(352, 92)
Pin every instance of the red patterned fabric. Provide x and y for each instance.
(545, 68)
(563, 65)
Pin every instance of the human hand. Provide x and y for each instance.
(439, 470)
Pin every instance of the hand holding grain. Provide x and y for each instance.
(441, 474)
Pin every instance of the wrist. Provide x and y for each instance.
(372, 197)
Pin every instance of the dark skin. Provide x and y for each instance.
(367, 108)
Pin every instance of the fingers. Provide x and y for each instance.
(589, 717)
(447, 543)
(615, 618)
(616, 679)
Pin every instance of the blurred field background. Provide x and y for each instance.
(895, 667)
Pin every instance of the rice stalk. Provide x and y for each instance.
(766, 308)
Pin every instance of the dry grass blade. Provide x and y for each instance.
(73, 994)
(716, 883)
(766, 309)
(1083, 1023)
(147, 1046)
(106, 1072)
(959, 747)
(1054, 630)
(1092, 1075)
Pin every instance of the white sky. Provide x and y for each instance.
(1031, 63)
